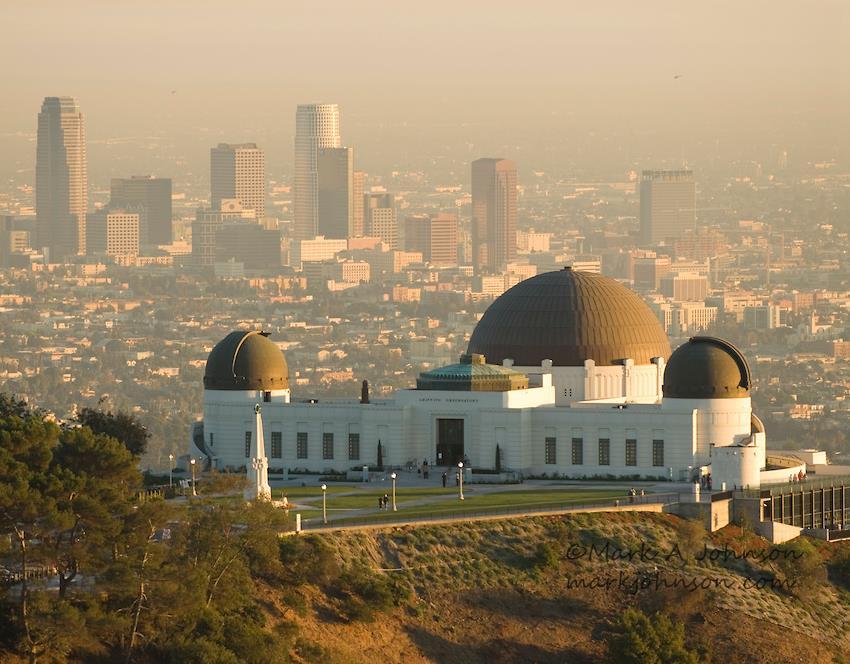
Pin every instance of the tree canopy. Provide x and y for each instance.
(137, 581)
(124, 427)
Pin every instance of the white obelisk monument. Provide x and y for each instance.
(258, 470)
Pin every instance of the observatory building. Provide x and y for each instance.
(568, 373)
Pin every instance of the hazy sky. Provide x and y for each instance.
(432, 75)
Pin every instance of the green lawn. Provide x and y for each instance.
(358, 498)
(293, 492)
(489, 502)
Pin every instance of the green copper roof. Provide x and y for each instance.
(472, 374)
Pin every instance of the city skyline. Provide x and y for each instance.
(781, 84)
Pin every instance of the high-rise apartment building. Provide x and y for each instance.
(316, 127)
(416, 230)
(238, 171)
(61, 180)
(246, 241)
(494, 213)
(667, 205)
(434, 235)
(380, 217)
(335, 168)
(149, 196)
(358, 184)
(206, 226)
(114, 232)
(316, 249)
(14, 240)
(648, 270)
(684, 287)
(442, 239)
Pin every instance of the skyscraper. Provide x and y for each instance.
(335, 189)
(416, 230)
(493, 213)
(61, 180)
(207, 224)
(667, 205)
(435, 236)
(151, 198)
(358, 183)
(248, 242)
(380, 217)
(316, 126)
(238, 171)
(442, 239)
(113, 232)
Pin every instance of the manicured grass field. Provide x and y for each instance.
(359, 497)
(533, 499)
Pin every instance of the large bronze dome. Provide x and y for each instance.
(569, 317)
(707, 368)
(246, 360)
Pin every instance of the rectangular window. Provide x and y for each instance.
(657, 452)
(551, 451)
(604, 452)
(631, 452)
(327, 446)
(578, 451)
(247, 444)
(277, 445)
(354, 447)
(301, 445)
(212, 439)
(267, 396)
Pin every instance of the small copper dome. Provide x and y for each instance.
(246, 360)
(707, 368)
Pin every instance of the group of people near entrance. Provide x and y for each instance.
(705, 481)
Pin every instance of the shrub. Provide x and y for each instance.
(356, 610)
(640, 639)
(308, 560)
(692, 536)
(295, 601)
(547, 556)
(801, 565)
(373, 589)
(839, 569)
(286, 631)
(310, 651)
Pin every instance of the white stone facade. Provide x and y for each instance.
(613, 436)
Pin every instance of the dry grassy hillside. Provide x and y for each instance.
(523, 590)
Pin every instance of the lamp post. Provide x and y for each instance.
(170, 470)
(460, 479)
(395, 508)
(192, 463)
(324, 503)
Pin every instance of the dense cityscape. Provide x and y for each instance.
(388, 273)
(424, 333)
